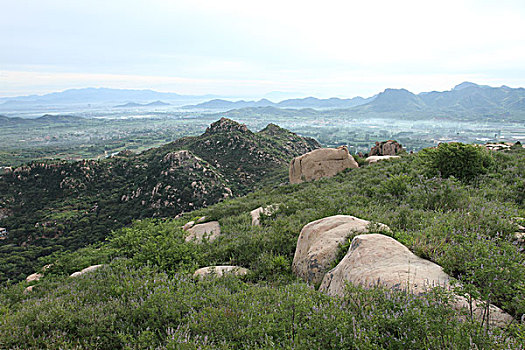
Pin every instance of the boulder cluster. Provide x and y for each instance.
(327, 162)
(319, 241)
(199, 230)
(372, 260)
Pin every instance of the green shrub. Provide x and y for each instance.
(462, 161)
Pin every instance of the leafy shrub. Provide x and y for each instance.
(396, 185)
(462, 161)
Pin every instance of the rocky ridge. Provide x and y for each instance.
(72, 204)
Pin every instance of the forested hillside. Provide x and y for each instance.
(456, 205)
(52, 206)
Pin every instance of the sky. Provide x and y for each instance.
(251, 48)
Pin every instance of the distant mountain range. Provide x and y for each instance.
(465, 96)
(151, 104)
(45, 119)
(466, 100)
(307, 102)
(98, 96)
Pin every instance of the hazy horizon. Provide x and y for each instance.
(245, 50)
(274, 96)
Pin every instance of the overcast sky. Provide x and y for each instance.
(250, 48)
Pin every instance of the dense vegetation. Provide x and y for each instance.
(144, 297)
(57, 205)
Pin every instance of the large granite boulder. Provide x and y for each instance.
(319, 163)
(319, 241)
(386, 148)
(86, 270)
(219, 271)
(256, 213)
(376, 259)
(375, 159)
(211, 230)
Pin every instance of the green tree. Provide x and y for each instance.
(462, 161)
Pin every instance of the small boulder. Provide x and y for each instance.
(520, 234)
(375, 159)
(86, 270)
(188, 225)
(319, 241)
(34, 277)
(386, 148)
(377, 259)
(28, 289)
(498, 146)
(256, 213)
(319, 163)
(201, 220)
(220, 271)
(211, 230)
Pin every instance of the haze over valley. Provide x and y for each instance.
(95, 123)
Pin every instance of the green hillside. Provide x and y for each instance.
(461, 213)
(52, 206)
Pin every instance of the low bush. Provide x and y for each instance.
(120, 307)
(462, 161)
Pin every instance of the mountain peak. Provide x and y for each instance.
(226, 125)
(398, 92)
(464, 85)
(273, 129)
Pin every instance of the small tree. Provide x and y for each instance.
(464, 162)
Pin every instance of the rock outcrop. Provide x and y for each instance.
(386, 148)
(375, 159)
(256, 213)
(225, 125)
(319, 163)
(86, 270)
(34, 277)
(376, 259)
(319, 241)
(220, 271)
(210, 230)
